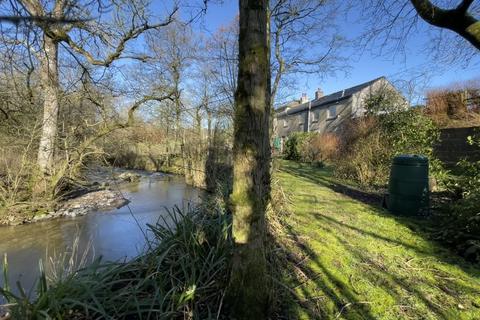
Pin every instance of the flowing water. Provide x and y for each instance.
(115, 235)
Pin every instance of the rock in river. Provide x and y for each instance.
(129, 176)
(102, 200)
(4, 313)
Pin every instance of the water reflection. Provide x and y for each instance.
(114, 235)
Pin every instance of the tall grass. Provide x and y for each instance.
(277, 251)
(182, 274)
(60, 265)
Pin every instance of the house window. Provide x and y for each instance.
(314, 116)
(332, 112)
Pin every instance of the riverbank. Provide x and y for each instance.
(182, 273)
(349, 258)
(100, 192)
(116, 235)
(345, 257)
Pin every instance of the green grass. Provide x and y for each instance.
(351, 259)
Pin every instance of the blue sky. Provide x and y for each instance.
(364, 66)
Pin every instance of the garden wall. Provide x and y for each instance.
(453, 145)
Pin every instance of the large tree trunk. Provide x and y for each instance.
(252, 156)
(49, 78)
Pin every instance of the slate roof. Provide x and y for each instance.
(291, 104)
(325, 100)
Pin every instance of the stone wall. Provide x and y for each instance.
(453, 145)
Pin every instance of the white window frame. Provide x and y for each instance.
(331, 116)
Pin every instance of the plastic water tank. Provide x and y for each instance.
(408, 185)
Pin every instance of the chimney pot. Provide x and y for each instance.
(304, 98)
(318, 94)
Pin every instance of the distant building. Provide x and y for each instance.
(325, 113)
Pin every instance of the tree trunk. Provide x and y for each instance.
(49, 78)
(252, 156)
(209, 127)
(198, 126)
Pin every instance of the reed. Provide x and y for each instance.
(182, 274)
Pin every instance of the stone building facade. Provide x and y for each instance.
(325, 113)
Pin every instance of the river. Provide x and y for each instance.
(114, 235)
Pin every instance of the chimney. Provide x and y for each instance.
(318, 94)
(304, 98)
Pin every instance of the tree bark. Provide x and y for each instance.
(252, 156)
(49, 78)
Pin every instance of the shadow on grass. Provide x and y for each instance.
(333, 297)
(426, 227)
(338, 297)
(323, 177)
(332, 288)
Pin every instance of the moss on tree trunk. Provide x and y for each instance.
(248, 291)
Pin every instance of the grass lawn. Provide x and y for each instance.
(350, 259)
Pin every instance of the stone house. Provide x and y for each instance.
(325, 113)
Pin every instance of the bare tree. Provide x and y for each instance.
(305, 40)
(98, 42)
(221, 53)
(174, 50)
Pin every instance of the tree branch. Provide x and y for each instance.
(464, 5)
(133, 33)
(132, 109)
(457, 20)
(139, 103)
(33, 7)
(39, 20)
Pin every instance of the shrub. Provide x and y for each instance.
(388, 129)
(461, 227)
(317, 148)
(449, 108)
(448, 103)
(293, 145)
(311, 147)
(365, 158)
